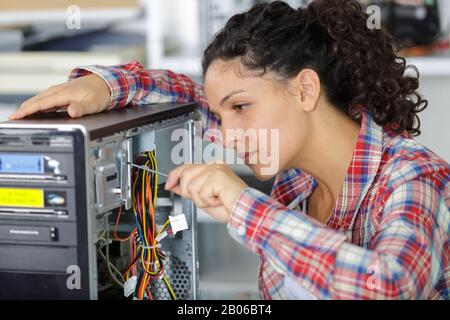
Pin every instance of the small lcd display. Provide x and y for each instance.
(21, 163)
(18, 197)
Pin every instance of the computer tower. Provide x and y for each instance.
(62, 181)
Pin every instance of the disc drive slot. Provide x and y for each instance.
(37, 258)
(28, 233)
(34, 212)
(21, 203)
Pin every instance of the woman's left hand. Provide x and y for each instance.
(213, 187)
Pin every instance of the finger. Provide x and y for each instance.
(54, 109)
(198, 201)
(33, 100)
(176, 190)
(188, 176)
(77, 109)
(41, 104)
(51, 90)
(195, 187)
(209, 196)
(174, 177)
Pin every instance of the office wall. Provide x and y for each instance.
(63, 4)
(436, 118)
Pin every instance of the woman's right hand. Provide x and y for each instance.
(80, 96)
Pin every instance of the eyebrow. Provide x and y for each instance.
(228, 96)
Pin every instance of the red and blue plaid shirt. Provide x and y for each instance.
(386, 238)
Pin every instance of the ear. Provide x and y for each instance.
(309, 88)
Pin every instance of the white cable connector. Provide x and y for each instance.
(129, 286)
(178, 223)
(161, 236)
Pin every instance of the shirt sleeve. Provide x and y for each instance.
(133, 85)
(404, 259)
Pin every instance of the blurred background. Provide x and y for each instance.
(41, 41)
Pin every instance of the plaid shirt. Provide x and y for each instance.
(387, 236)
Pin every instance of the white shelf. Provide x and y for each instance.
(432, 66)
(190, 66)
(60, 16)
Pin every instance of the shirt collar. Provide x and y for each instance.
(295, 183)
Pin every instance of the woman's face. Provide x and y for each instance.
(261, 118)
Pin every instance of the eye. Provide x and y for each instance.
(240, 107)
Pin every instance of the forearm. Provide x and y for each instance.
(398, 264)
(132, 84)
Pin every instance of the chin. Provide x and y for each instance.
(256, 169)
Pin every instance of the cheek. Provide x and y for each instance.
(276, 130)
(243, 128)
(286, 143)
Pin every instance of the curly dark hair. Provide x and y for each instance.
(357, 66)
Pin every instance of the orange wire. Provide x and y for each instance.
(116, 237)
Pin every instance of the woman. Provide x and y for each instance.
(359, 210)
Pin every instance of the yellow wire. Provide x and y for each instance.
(144, 261)
(156, 179)
(143, 205)
(169, 287)
(152, 158)
(134, 198)
(145, 264)
(143, 287)
(162, 228)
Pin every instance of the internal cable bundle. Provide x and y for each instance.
(147, 259)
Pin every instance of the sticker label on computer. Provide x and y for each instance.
(21, 163)
(18, 197)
